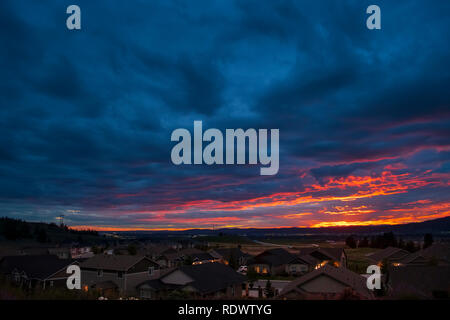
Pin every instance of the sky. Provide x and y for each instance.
(86, 116)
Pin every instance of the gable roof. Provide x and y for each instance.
(332, 253)
(310, 260)
(113, 262)
(440, 251)
(416, 257)
(231, 252)
(189, 252)
(202, 256)
(273, 257)
(346, 277)
(156, 250)
(35, 266)
(206, 278)
(389, 253)
(418, 280)
(211, 277)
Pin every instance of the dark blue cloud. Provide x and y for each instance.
(86, 116)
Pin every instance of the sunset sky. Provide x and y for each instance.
(86, 116)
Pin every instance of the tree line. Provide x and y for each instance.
(16, 229)
(388, 239)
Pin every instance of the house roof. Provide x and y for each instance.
(231, 252)
(211, 277)
(156, 249)
(112, 262)
(202, 256)
(206, 278)
(189, 252)
(418, 280)
(440, 251)
(273, 257)
(35, 266)
(389, 253)
(309, 259)
(332, 253)
(346, 277)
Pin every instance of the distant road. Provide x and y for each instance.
(270, 244)
(283, 245)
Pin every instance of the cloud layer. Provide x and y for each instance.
(86, 116)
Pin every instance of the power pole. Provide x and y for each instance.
(61, 217)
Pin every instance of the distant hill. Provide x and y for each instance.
(437, 226)
(14, 229)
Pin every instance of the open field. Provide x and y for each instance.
(357, 260)
(294, 245)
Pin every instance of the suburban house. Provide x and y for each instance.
(328, 282)
(278, 261)
(38, 271)
(154, 251)
(209, 280)
(225, 255)
(318, 257)
(391, 255)
(81, 252)
(119, 273)
(177, 258)
(436, 254)
(61, 253)
(423, 282)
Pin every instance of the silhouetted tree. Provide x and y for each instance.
(427, 240)
(401, 243)
(269, 290)
(95, 250)
(351, 242)
(252, 275)
(348, 294)
(389, 240)
(188, 261)
(232, 262)
(131, 249)
(410, 246)
(364, 243)
(41, 235)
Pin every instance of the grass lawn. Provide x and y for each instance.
(357, 260)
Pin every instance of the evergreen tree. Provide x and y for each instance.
(427, 240)
(269, 290)
(41, 235)
(131, 249)
(364, 243)
(351, 242)
(410, 246)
